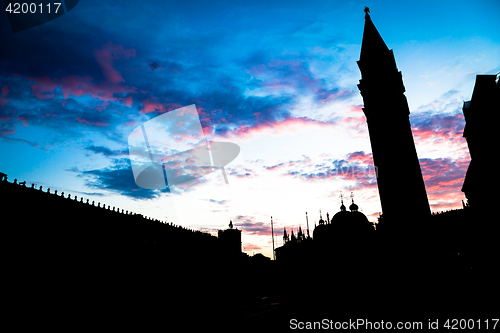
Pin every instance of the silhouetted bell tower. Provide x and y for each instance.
(400, 183)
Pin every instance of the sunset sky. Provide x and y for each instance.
(277, 78)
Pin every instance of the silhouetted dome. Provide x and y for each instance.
(360, 222)
(320, 233)
(340, 217)
(344, 222)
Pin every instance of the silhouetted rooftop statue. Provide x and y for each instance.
(321, 221)
(230, 239)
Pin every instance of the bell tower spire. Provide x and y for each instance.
(387, 115)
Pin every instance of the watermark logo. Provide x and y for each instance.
(29, 14)
(171, 149)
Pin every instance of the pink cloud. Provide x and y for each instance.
(43, 88)
(149, 106)
(95, 123)
(425, 127)
(336, 95)
(173, 106)
(158, 107)
(105, 57)
(102, 106)
(443, 178)
(356, 109)
(251, 247)
(5, 90)
(23, 120)
(11, 131)
(356, 167)
(248, 225)
(357, 124)
(360, 156)
(74, 85)
(127, 101)
(277, 127)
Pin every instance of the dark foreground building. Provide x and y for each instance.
(73, 263)
(415, 264)
(482, 116)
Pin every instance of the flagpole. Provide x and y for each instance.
(307, 221)
(272, 235)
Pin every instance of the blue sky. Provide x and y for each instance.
(278, 78)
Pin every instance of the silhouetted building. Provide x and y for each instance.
(445, 260)
(77, 252)
(482, 117)
(401, 187)
(346, 230)
(230, 239)
(54, 225)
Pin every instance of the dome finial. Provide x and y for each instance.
(342, 207)
(353, 207)
(367, 10)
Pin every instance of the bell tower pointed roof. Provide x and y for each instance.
(375, 58)
(373, 45)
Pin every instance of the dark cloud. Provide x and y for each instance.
(443, 175)
(248, 225)
(438, 125)
(220, 202)
(106, 151)
(103, 81)
(63, 118)
(356, 167)
(361, 176)
(442, 118)
(119, 179)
